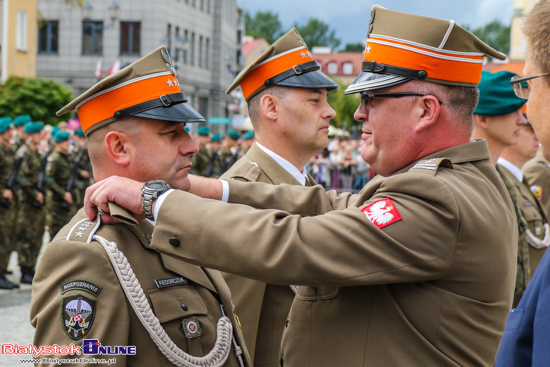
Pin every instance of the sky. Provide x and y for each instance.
(350, 18)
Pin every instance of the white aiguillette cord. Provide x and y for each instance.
(535, 242)
(224, 330)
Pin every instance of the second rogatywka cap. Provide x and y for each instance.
(287, 62)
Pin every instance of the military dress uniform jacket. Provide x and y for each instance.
(537, 173)
(416, 270)
(262, 308)
(535, 217)
(7, 158)
(75, 273)
(28, 174)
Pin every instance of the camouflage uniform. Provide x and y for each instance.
(7, 214)
(31, 217)
(200, 162)
(59, 212)
(225, 160)
(523, 275)
(82, 183)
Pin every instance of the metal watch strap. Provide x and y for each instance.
(149, 195)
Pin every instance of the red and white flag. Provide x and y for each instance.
(115, 67)
(98, 70)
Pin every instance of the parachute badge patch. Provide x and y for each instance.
(382, 213)
(77, 315)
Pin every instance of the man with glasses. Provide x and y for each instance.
(416, 270)
(526, 340)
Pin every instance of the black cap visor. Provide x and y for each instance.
(181, 112)
(311, 79)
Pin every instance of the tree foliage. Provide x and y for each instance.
(344, 106)
(263, 25)
(495, 34)
(318, 33)
(354, 47)
(38, 97)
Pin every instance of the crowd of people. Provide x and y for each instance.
(44, 171)
(436, 233)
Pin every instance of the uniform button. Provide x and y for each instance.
(184, 306)
(174, 242)
(287, 322)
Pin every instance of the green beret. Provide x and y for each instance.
(33, 127)
(216, 137)
(203, 131)
(61, 136)
(496, 94)
(80, 133)
(233, 134)
(248, 135)
(21, 120)
(187, 129)
(55, 130)
(4, 124)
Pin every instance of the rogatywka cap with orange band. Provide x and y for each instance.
(148, 88)
(402, 47)
(287, 62)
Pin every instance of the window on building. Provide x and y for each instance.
(130, 38)
(200, 51)
(48, 37)
(21, 42)
(207, 56)
(192, 56)
(203, 106)
(348, 68)
(92, 38)
(186, 37)
(332, 68)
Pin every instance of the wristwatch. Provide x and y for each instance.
(150, 191)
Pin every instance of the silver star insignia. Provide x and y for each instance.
(303, 55)
(368, 49)
(308, 53)
(170, 83)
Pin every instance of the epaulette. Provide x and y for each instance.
(433, 165)
(84, 230)
(248, 172)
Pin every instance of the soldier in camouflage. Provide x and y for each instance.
(85, 174)
(498, 119)
(7, 202)
(59, 201)
(202, 158)
(31, 216)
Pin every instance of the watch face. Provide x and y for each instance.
(155, 185)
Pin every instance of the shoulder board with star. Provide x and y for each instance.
(432, 165)
(84, 230)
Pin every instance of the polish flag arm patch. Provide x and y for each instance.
(381, 213)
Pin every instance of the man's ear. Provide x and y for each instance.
(481, 120)
(429, 110)
(269, 106)
(117, 145)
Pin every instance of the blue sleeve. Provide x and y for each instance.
(526, 339)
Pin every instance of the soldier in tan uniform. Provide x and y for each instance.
(537, 231)
(537, 173)
(103, 284)
(291, 120)
(416, 270)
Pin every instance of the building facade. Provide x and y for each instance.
(17, 38)
(79, 45)
(517, 39)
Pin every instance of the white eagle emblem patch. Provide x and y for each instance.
(382, 213)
